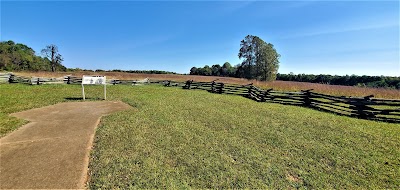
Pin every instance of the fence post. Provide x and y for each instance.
(307, 97)
(10, 78)
(264, 94)
(213, 86)
(167, 83)
(361, 107)
(249, 91)
(187, 85)
(68, 79)
(221, 88)
(38, 81)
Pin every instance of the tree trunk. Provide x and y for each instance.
(53, 64)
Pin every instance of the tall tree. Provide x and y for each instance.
(247, 52)
(51, 52)
(267, 61)
(260, 59)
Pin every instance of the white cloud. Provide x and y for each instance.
(342, 30)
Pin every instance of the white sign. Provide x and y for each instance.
(97, 80)
(93, 79)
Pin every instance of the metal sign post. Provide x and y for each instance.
(105, 89)
(83, 91)
(94, 80)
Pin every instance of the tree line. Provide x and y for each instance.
(20, 57)
(143, 71)
(347, 80)
(123, 71)
(226, 70)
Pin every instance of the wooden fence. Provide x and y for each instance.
(360, 107)
(5, 77)
(364, 107)
(11, 78)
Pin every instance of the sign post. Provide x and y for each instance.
(94, 80)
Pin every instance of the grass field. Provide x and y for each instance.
(277, 85)
(194, 139)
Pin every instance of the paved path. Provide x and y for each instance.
(52, 151)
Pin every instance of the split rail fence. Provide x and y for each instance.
(11, 78)
(361, 107)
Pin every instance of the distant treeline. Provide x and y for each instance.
(348, 80)
(20, 57)
(123, 71)
(226, 70)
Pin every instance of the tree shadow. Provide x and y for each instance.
(74, 98)
(80, 98)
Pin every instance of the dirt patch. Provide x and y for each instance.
(293, 178)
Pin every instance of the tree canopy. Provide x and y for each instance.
(226, 70)
(260, 59)
(20, 57)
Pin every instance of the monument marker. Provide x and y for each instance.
(93, 80)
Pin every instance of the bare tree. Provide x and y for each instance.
(51, 52)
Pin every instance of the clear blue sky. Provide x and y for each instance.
(313, 37)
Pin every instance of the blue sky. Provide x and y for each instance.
(313, 37)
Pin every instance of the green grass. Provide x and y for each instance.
(194, 139)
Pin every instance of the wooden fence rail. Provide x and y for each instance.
(11, 78)
(364, 107)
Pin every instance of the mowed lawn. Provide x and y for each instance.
(194, 139)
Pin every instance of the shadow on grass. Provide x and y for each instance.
(301, 103)
(80, 98)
